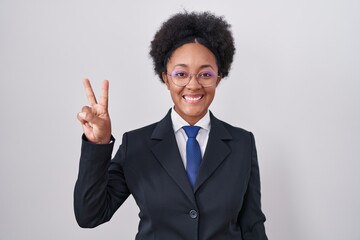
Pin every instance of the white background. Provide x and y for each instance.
(295, 83)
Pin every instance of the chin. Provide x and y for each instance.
(195, 114)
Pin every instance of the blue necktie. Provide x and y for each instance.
(193, 153)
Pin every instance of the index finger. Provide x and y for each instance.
(104, 94)
(89, 92)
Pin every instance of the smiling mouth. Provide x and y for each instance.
(193, 99)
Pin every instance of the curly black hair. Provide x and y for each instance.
(203, 27)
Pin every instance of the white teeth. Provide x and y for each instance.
(192, 98)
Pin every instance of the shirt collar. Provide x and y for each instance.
(178, 122)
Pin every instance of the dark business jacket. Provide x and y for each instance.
(225, 201)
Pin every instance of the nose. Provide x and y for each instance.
(193, 82)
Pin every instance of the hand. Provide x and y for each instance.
(95, 119)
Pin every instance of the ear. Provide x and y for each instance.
(165, 79)
(219, 80)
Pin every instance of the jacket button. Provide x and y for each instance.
(193, 214)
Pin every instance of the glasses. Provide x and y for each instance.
(182, 78)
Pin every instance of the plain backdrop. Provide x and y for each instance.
(295, 83)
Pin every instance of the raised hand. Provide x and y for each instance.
(95, 119)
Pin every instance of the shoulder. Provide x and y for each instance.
(143, 131)
(234, 131)
(155, 130)
(237, 131)
(236, 136)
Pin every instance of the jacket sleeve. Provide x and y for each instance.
(251, 218)
(100, 188)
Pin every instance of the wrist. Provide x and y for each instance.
(106, 141)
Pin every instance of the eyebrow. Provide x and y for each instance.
(202, 66)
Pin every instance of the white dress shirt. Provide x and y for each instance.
(181, 137)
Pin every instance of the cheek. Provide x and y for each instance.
(175, 94)
(174, 91)
(211, 93)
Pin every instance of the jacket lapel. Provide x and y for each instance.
(216, 151)
(167, 153)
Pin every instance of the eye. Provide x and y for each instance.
(207, 74)
(179, 74)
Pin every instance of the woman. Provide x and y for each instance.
(199, 185)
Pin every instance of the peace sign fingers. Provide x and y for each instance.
(89, 92)
(95, 118)
(104, 94)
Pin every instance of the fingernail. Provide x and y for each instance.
(82, 115)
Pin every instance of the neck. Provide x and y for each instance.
(191, 120)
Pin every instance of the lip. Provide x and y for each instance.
(193, 98)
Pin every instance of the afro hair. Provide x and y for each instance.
(205, 28)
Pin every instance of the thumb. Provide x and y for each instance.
(82, 118)
(87, 115)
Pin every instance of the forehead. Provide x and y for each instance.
(192, 55)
